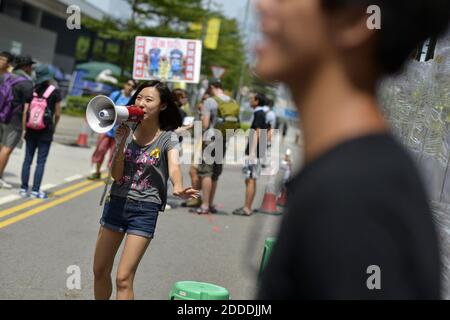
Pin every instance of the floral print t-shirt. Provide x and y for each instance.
(146, 170)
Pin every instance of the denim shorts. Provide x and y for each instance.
(252, 171)
(130, 216)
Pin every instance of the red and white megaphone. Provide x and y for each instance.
(102, 114)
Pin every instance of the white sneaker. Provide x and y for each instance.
(4, 184)
(24, 193)
(39, 195)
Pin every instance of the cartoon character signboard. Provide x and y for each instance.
(167, 59)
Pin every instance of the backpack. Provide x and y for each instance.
(7, 96)
(39, 115)
(228, 115)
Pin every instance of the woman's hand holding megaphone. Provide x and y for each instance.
(122, 133)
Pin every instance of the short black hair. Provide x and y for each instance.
(215, 83)
(262, 99)
(135, 83)
(23, 61)
(405, 24)
(9, 57)
(179, 94)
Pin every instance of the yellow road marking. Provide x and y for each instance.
(75, 186)
(33, 202)
(25, 205)
(48, 205)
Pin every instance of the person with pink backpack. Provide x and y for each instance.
(42, 117)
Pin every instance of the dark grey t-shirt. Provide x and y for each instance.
(146, 170)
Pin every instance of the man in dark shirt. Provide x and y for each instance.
(358, 224)
(252, 168)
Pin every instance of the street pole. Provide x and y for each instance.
(244, 62)
(197, 97)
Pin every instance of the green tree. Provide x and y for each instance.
(168, 18)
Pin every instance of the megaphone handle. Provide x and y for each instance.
(105, 190)
(108, 179)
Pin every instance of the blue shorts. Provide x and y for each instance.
(130, 216)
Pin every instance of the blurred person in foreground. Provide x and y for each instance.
(358, 223)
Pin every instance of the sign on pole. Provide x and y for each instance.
(217, 71)
(167, 59)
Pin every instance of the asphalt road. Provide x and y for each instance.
(39, 240)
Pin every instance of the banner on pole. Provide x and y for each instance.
(212, 34)
(167, 59)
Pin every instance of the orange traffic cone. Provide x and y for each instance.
(269, 205)
(82, 140)
(281, 200)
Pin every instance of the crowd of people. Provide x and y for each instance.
(141, 159)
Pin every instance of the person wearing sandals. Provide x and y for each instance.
(193, 169)
(252, 168)
(140, 170)
(209, 173)
(106, 141)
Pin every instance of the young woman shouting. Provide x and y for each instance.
(140, 171)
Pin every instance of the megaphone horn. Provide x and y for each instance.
(102, 114)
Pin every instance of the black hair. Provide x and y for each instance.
(134, 81)
(179, 94)
(216, 84)
(270, 102)
(405, 24)
(262, 99)
(169, 118)
(9, 57)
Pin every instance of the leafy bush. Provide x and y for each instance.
(245, 126)
(76, 106)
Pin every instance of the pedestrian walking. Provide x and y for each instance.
(219, 112)
(16, 92)
(41, 119)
